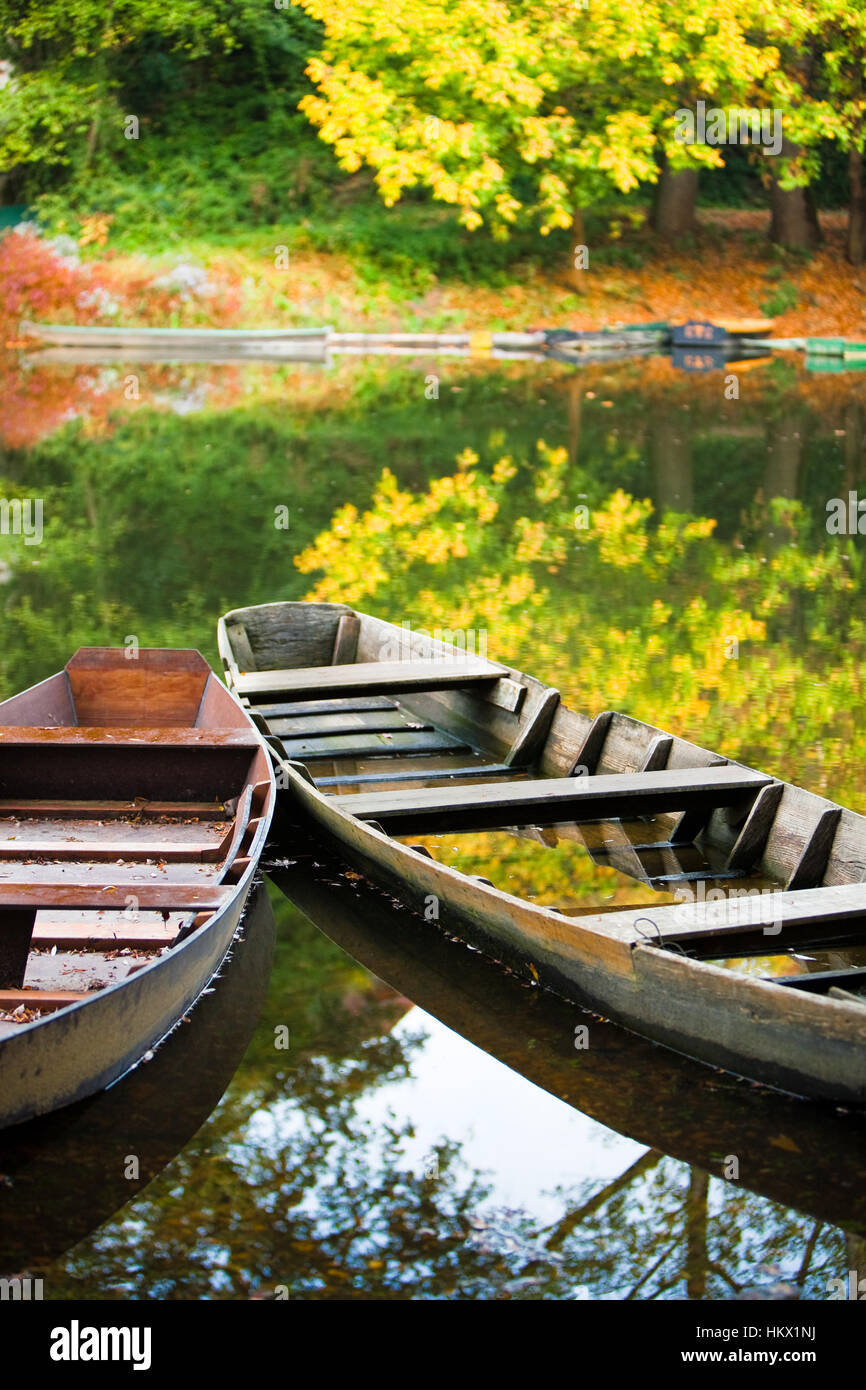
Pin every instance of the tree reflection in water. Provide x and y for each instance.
(292, 1190)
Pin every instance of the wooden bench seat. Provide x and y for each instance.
(366, 677)
(157, 897)
(556, 799)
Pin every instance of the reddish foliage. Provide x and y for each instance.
(39, 284)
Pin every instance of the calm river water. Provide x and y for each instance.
(357, 1111)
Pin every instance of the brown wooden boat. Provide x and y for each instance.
(386, 733)
(135, 800)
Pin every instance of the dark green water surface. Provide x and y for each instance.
(430, 1129)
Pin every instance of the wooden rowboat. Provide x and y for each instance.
(695, 1115)
(40, 1217)
(135, 800)
(385, 734)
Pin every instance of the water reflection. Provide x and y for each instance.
(463, 1147)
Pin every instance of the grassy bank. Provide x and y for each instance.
(413, 268)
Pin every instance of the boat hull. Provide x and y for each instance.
(85, 1047)
(751, 1027)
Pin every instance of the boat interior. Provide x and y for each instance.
(133, 793)
(479, 765)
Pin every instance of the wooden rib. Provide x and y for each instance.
(749, 845)
(813, 861)
(238, 830)
(845, 996)
(593, 744)
(241, 649)
(45, 1000)
(361, 677)
(658, 753)
(532, 735)
(346, 639)
(557, 798)
(694, 818)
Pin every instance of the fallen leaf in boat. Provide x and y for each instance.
(782, 1141)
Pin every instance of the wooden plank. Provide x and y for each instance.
(749, 845)
(368, 676)
(148, 897)
(349, 704)
(16, 930)
(104, 936)
(46, 1001)
(372, 745)
(591, 749)
(291, 635)
(20, 807)
(132, 848)
(552, 799)
(534, 728)
(819, 980)
(376, 722)
(130, 739)
(768, 914)
(813, 861)
(111, 688)
(346, 640)
(419, 774)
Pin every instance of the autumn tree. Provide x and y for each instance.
(524, 111)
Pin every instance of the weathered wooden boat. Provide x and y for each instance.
(41, 1214)
(804, 1154)
(135, 800)
(385, 734)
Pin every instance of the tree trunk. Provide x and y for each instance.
(855, 446)
(697, 1257)
(672, 464)
(856, 245)
(575, 400)
(794, 221)
(576, 269)
(676, 197)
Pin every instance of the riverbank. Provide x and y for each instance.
(728, 270)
